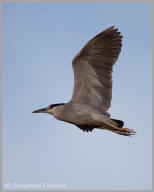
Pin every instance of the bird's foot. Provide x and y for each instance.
(125, 131)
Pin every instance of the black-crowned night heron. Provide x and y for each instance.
(92, 92)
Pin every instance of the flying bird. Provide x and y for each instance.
(92, 92)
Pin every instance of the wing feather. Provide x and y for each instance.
(93, 70)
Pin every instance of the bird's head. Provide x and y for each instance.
(50, 109)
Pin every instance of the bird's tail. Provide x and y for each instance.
(119, 122)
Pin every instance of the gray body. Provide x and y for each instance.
(92, 92)
(79, 114)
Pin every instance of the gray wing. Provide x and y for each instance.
(93, 70)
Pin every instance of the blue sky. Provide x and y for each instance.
(39, 43)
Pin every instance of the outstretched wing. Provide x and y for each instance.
(93, 70)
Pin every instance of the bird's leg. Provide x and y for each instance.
(119, 130)
(109, 124)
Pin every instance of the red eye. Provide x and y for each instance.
(51, 106)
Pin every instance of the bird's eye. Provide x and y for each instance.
(51, 106)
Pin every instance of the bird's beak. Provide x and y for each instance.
(44, 110)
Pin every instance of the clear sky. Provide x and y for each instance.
(39, 43)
